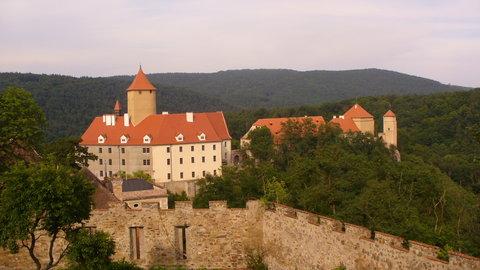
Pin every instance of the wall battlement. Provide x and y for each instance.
(218, 237)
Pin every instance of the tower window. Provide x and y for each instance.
(203, 147)
(168, 161)
(192, 148)
(180, 149)
(100, 150)
(193, 160)
(181, 175)
(168, 176)
(193, 174)
(214, 147)
(123, 150)
(181, 160)
(100, 161)
(109, 150)
(203, 173)
(214, 158)
(203, 159)
(168, 149)
(109, 162)
(123, 162)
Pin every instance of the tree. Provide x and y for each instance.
(42, 198)
(21, 126)
(90, 251)
(261, 143)
(68, 151)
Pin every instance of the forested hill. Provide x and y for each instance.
(70, 103)
(279, 88)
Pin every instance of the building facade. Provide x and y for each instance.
(169, 147)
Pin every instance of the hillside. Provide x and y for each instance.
(280, 88)
(70, 103)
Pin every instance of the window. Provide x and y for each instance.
(201, 137)
(192, 148)
(181, 175)
(109, 162)
(146, 162)
(203, 159)
(193, 159)
(168, 161)
(203, 173)
(179, 138)
(101, 173)
(203, 147)
(214, 147)
(135, 237)
(109, 150)
(146, 138)
(168, 149)
(123, 139)
(168, 176)
(101, 139)
(214, 158)
(146, 150)
(180, 149)
(123, 150)
(193, 174)
(181, 160)
(123, 162)
(225, 144)
(214, 172)
(100, 161)
(100, 150)
(110, 173)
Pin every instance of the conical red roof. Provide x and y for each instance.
(389, 114)
(117, 107)
(356, 111)
(141, 82)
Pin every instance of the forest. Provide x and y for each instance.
(71, 103)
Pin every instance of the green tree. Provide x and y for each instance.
(21, 126)
(90, 251)
(42, 198)
(68, 151)
(261, 144)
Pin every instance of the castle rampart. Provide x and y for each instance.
(218, 237)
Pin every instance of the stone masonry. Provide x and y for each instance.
(218, 238)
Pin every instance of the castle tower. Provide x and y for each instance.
(362, 119)
(141, 98)
(390, 128)
(118, 108)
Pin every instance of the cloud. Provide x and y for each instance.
(435, 39)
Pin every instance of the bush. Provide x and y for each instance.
(91, 250)
(341, 267)
(442, 253)
(123, 265)
(255, 260)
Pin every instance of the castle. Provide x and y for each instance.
(356, 119)
(170, 147)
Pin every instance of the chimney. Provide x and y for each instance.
(334, 116)
(104, 118)
(164, 112)
(108, 119)
(342, 116)
(190, 117)
(126, 120)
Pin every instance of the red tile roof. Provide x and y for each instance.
(389, 113)
(346, 124)
(163, 128)
(141, 82)
(357, 111)
(275, 124)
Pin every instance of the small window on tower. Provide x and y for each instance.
(168, 149)
(179, 137)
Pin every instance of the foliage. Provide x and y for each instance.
(355, 178)
(341, 267)
(136, 175)
(68, 152)
(123, 265)
(255, 260)
(261, 143)
(21, 126)
(40, 197)
(173, 197)
(442, 253)
(90, 251)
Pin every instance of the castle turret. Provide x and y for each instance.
(141, 98)
(389, 128)
(117, 108)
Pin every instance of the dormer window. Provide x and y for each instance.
(179, 137)
(202, 137)
(147, 139)
(101, 139)
(124, 139)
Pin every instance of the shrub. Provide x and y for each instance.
(123, 265)
(341, 267)
(91, 250)
(442, 253)
(255, 260)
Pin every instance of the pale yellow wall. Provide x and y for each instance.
(141, 104)
(133, 156)
(227, 151)
(390, 130)
(161, 169)
(366, 125)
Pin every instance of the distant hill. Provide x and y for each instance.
(280, 88)
(70, 103)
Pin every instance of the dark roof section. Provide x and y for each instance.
(136, 185)
(102, 198)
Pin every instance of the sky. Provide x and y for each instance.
(437, 39)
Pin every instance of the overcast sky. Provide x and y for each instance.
(436, 39)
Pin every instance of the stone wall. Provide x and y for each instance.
(295, 239)
(218, 237)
